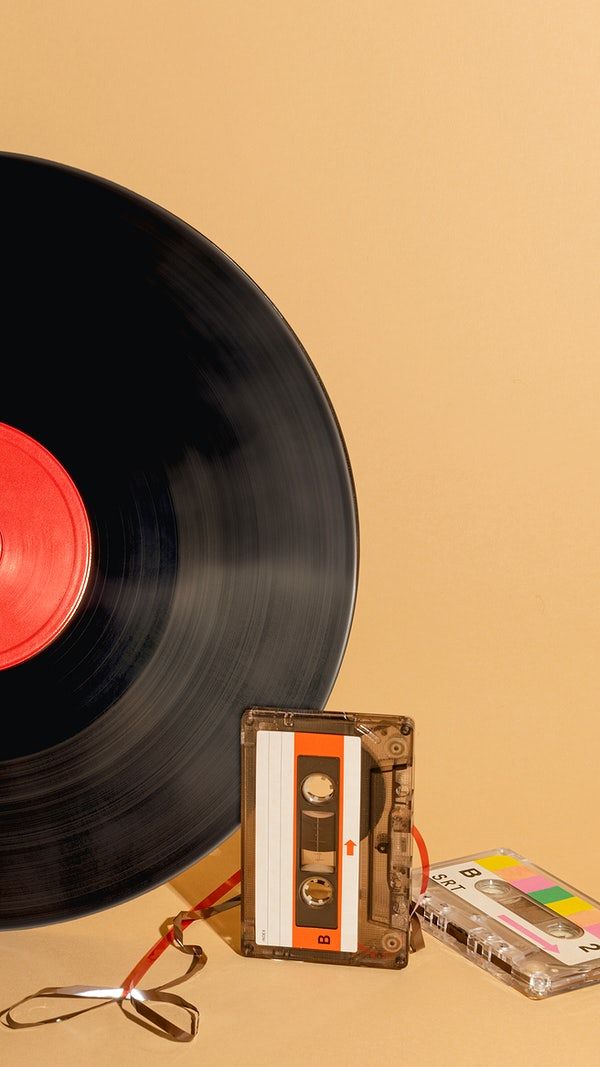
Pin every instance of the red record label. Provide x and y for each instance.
(45, 547)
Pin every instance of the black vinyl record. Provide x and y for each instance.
(223, 538)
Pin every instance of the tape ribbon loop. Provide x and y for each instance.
(130, 996)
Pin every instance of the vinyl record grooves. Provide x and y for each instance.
(222, 552)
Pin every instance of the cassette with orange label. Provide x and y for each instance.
(326, 836)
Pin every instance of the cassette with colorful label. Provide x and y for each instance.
(515, 920)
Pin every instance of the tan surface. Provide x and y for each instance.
(416, 186)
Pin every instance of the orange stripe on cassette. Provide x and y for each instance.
(318, 746)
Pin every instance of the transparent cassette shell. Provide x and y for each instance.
(514, 920)
(314, 864)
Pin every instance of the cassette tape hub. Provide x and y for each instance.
(327, 802)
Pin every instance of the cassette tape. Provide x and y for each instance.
(326, 836)
(515, 920)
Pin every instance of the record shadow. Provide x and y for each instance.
(200, 880)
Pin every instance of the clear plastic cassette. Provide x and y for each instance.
(515, 920)
(326, 836)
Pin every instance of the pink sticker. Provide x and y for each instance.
(532, 885)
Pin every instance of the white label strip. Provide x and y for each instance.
(274, 847)
(350, 845)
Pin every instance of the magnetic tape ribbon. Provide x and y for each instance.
(129, 992)
(423, 853)
(416, 934)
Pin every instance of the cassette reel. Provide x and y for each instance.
(326, 836)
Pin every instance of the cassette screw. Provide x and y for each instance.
(539, 983)
(406, 728)
(383, 846)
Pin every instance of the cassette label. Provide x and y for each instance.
(313, 904)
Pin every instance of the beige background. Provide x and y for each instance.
(416, 187)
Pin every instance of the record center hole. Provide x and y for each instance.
(316, 892)
(318, 788)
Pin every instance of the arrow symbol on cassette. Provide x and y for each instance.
(350, 846)
(528, 933)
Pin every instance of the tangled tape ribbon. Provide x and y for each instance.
(130, 995)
